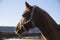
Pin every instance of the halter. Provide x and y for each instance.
(27, 21)
(30, 17)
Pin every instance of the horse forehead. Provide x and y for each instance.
(26, 10)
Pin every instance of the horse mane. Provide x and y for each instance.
(44, 15)
(46, 23)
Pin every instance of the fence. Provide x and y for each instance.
(7, 33)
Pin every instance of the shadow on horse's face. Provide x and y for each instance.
(24, 25)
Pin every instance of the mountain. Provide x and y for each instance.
(11, 29)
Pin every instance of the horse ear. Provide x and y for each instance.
(28, 6)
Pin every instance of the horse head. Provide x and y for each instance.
(25, 23)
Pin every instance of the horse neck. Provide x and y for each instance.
(46, 24)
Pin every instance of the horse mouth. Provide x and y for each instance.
(20, 33)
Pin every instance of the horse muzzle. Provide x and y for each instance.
(20, 32)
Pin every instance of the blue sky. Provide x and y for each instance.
(11, 10)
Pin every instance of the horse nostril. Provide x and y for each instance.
(20, 31)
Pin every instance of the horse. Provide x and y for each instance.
(34, 16)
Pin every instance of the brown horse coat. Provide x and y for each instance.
(49, 28)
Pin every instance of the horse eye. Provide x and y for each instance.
(24, 15)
